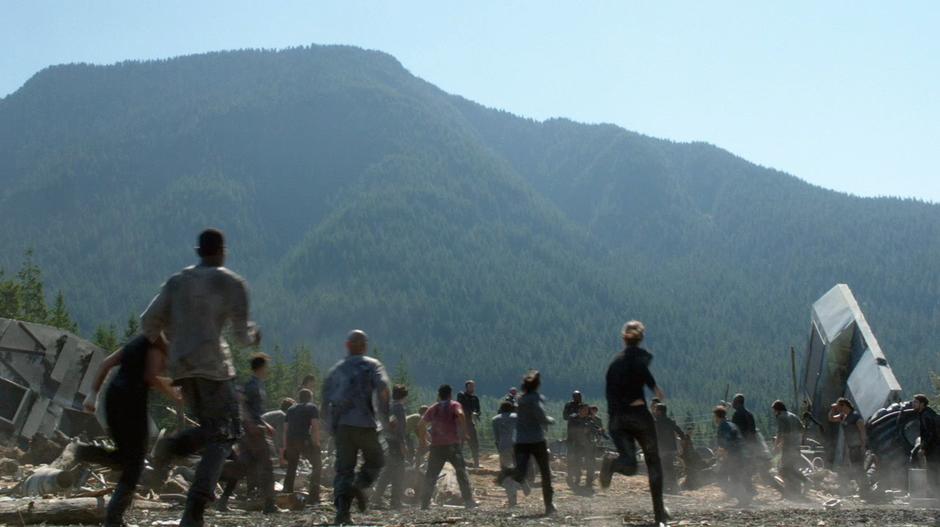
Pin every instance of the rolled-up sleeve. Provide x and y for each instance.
(156, 317)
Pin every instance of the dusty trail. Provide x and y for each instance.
(625, 503)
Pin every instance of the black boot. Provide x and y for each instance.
(362, 499)
(662, 516)
(547, 495)
(222, 504)
(342, 511)
(313, 493)
(193, 514)
(270, 507)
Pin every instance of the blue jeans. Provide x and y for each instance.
(214, 406)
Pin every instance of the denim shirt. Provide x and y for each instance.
(349, 392)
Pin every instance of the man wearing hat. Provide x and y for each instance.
(192, 308)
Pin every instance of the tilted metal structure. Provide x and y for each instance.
(45, 374)
(843, 359)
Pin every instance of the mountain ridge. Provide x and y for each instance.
(336, 170)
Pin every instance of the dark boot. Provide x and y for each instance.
(607, 471)
(313, 493)
(512, 500)
(222, 505)
(362, 499)
(270, 507)
(660, 513)
(342, 511)
(160, 463)
(193, 514)
(120, 501)
(547, 495)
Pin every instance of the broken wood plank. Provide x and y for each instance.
(53, 511)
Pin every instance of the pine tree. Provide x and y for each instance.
(9, 298)
(132, 329)
(31, 293)
(280, 379)
(106, 337)
(303, 365)
(935, 381)
(402, 374)
(59, 316)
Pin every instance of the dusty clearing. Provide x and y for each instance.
(625, 503)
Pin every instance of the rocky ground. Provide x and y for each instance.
(625, 503)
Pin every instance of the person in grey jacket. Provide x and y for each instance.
(192, 308)
(530, 439)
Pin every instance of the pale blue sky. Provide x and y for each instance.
(843, 94)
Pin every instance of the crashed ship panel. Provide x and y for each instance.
(844, 359)
(45, 373)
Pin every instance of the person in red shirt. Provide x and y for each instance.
(448, 426)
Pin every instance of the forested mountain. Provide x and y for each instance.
(468, 241)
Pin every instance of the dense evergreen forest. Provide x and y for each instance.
(467, 241)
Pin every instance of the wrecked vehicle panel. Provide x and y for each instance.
(45, 374)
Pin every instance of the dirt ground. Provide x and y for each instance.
(626, 503)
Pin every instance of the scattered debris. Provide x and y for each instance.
(45, 373)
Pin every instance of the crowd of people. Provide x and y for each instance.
(181, 353)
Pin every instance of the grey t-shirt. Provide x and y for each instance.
(350, 389)
(193, 307)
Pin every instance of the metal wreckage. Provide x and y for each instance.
(843, 359)
(45, 374)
